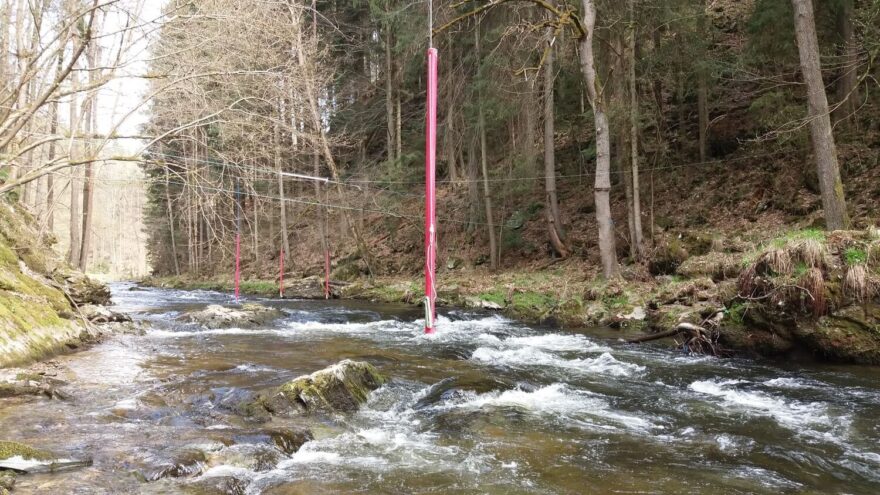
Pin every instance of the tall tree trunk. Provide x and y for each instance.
(703, 111)
(830, 184)
(75, 219)
(282, 199)
(93, 57)
(554, 222)
(638, 236)
(389, 89)
(171, 226)
(602, 187)
(473, 175)
(847, 84)
(487, 196)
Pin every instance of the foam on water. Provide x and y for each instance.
(604, 364)
(799, 416)
(553, 342)
(557, 401)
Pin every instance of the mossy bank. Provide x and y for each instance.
(37, 318)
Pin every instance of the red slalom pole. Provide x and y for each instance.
(430, 198)
(281, 275)
(237, 263)
(237, 238)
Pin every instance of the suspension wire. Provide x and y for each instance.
(356, 182)
(325, 204)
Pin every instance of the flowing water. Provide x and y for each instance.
(486, 405)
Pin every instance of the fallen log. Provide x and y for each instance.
(694, 330)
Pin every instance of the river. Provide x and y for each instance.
(486, 405)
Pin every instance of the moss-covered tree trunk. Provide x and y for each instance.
(833, 200)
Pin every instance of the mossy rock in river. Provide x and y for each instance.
(342, 387)
(9, 450)
(7, 482)
(25, 459)
(247, 316)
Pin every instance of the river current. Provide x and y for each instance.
(485, 405)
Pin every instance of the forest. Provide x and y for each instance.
(657, 246)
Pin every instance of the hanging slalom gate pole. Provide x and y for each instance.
(237, 238)
(430, 199)
(281, 274)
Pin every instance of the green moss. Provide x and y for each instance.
(855, 256)
(736, 312)
(259, 287)
(797, 235)
(532, 305)
(494, 296)
(15, 449)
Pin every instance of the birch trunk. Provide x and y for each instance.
(602, 187)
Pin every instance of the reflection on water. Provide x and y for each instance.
(485, 405)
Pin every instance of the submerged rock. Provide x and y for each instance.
(102, 314)
(216, 485)
(187, 462)
(342, 387)
(246, 316)
(7, 482)
(25, 459)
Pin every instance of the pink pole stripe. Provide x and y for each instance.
(430, 198)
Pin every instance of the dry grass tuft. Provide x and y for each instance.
(813, 281)
(748, 281)
(777, 260)
(857, 284)
(810, 251)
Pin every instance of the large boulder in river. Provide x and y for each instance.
(342, 387)
(246, 316)
(84, 290)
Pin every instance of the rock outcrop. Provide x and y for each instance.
(343, 387)
(246, 316)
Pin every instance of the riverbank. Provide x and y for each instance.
(46, 307)
(805, 293)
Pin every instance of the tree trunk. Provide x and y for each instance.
(92, 58)
(487, 196)
(830, 184)
(282, 199)
(389, 90)
(75, 187)
(847, 85)
(602, 187)
(703, 111)
(171, 226)
(638, 237)
(554, 223)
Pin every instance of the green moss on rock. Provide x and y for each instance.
(342, 387)
(14, 449)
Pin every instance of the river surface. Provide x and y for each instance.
(486, 405)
